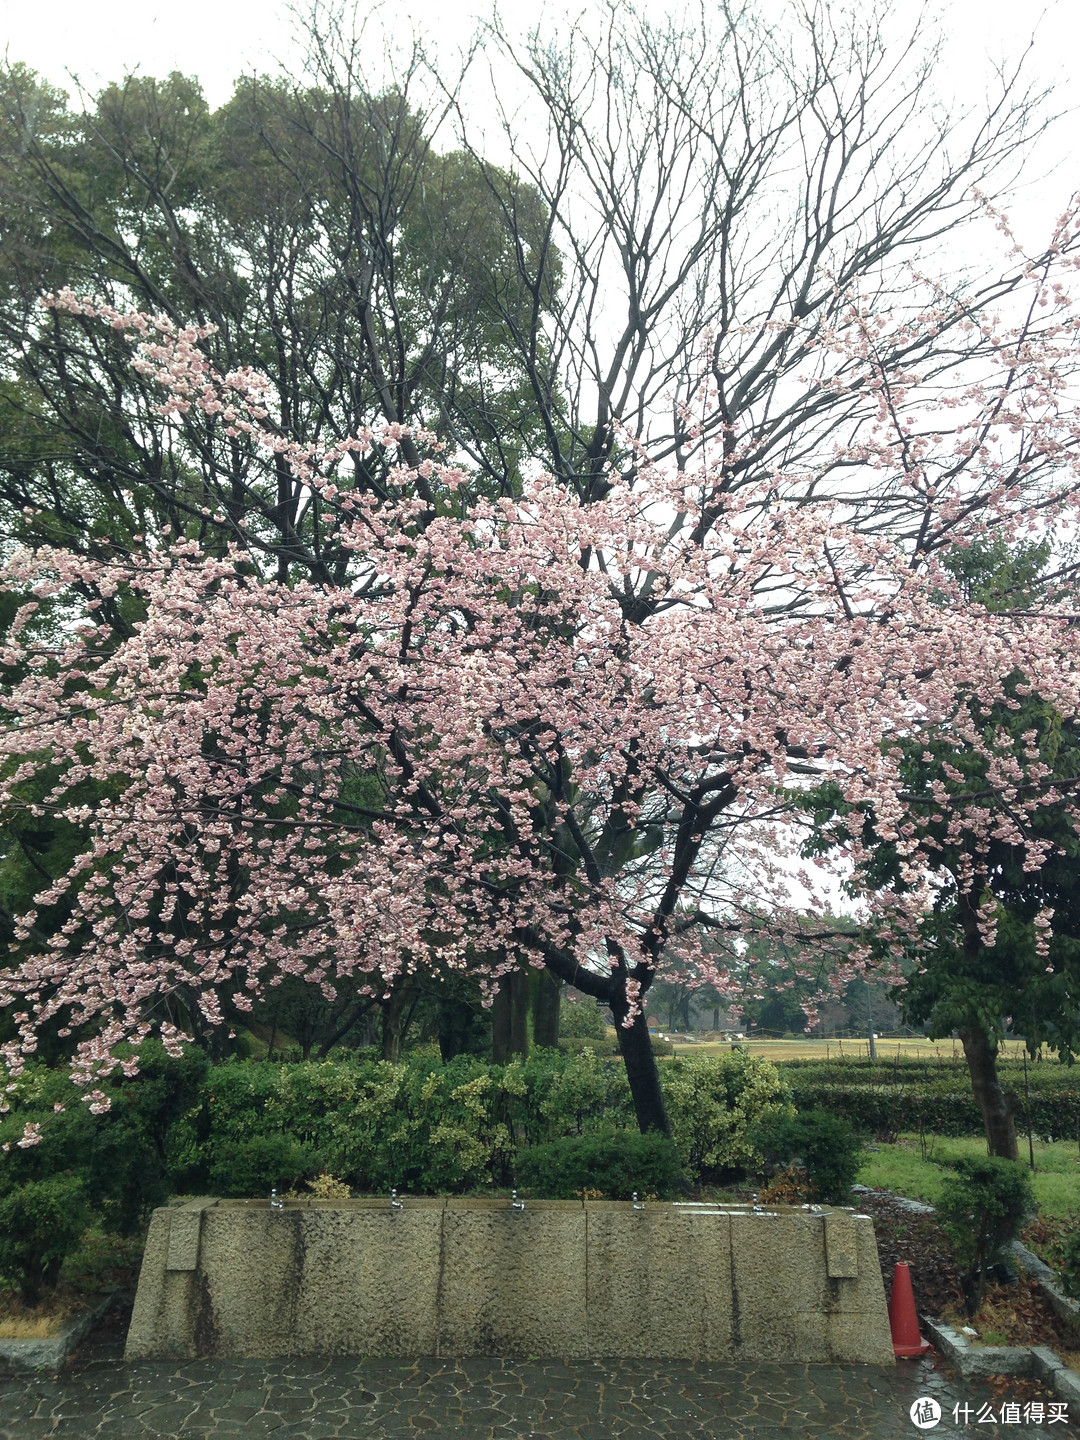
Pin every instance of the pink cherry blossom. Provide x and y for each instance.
(534, 731)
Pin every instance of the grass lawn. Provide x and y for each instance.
(903, 1169)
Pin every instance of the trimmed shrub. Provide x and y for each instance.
(982, 1207)
(41, 1224)
(611, 1165)
(713, 1104)
(578, 1044)
(103, 1261)
(419, 1125)
(261, 1164)
(905, 1094)
(581, 1020)
(824, 1145)
(123, 1156)
(429, 1128)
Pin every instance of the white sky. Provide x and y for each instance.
(217, 39)
(99, 40)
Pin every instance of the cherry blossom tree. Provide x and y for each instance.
(999, 944)
(529, 731)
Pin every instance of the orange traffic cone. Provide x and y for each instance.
(903, 1321)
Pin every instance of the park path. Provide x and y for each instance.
(99, 1397)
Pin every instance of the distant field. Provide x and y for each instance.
(806, 1049)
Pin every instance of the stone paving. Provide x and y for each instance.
(99, 1397)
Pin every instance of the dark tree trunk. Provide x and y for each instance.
(396, 1015)
(355, 1016)
(634, 1044)
(510, 1017)
(457, 1027)
(641, 1073)
(995, 1105)
(500, 1023)
(519, 1013)
(546, 1010)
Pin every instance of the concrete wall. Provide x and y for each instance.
(475, 1277)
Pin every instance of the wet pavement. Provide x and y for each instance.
(99, 1397)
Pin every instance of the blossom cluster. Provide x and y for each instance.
(534, 731)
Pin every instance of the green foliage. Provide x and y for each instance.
(41, 1223)
(581, 1020)
(825, 1145)
(431, 1128)
(613, 1165)
(418, 1125)
(933, 1096)
(103, 1262)
(261, 1163)
(992, 573)
(573, 1096)
(241, 1128)
(713, 1103)
(982, 1207)
(1069, 1258)
(578, 1044)
(120, 1157)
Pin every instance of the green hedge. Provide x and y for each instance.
(432, 1128)
(41, 1224)
(889, 1098)
(614, 1165)
(825, 1146)
(907, 1069)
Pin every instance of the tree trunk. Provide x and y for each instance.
(641, 1072)
(996, 1106)
(500, 1023)
(455, 1026)
(510, 1017)
(360, 1013)
(519, 1013)
(546, 1010)
(395, 1018)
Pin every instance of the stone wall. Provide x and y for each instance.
(476, 1277)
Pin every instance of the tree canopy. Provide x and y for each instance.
(434, 563)
(990, 812)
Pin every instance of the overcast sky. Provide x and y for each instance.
(98, 40)
(217, 39)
